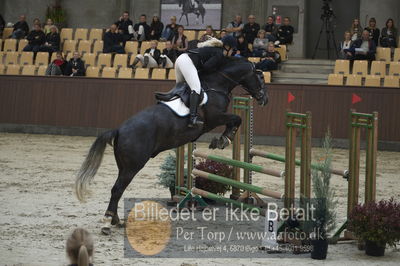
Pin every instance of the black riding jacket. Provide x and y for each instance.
(207, 58)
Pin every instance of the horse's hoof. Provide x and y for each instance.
(106, 231)
(214, 144)
(121, 224)
(223, 143)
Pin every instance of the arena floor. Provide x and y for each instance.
(39, 208)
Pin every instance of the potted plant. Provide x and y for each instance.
(377, 224)
(57, 14)
(324, 203)
(167, 175)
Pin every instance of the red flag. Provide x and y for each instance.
(355, 99)
(290, 97)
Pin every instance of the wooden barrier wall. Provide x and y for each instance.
(105, 103)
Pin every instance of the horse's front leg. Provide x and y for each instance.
(232, 123)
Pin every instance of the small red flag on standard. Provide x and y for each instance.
(355, 99)
(290, 97)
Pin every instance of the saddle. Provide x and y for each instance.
(181, 90)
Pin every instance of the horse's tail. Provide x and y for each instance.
(92, 162)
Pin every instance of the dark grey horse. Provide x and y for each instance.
(158, 128)
(188, 7)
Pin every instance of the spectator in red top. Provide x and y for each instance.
(57, 67)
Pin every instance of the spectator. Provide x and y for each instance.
(2, 25)
(285, 32)
(21, 28)
(222, 34)
(80, 248)
(260, 44)
(58, 66)
(242, 48)
(270, 26)
(125, 26)
(251, 29)
(112, 41)
(355, 30)
(156, 28)
(150, 58)
(47, 27)
(389, 35)
(235, 27)
(169, 55)
(75, 66)
(36, 21)
(345, 45)
(374, 32)
(142, 29)
(209, 33)
(362, 49)
(36, 38)
(180, 41)
(52, 43)
(170, 30)
(271, 59)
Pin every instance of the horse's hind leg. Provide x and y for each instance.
(232, 123)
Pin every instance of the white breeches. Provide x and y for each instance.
(186, 71)
(169, 63)
(152, 62)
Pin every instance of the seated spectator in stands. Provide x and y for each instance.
(75, 66)
(21, 28)
(150, 58)
(80, 248)
(389, 35)
(242, 48)
(58, 66)
(52, 43)
(271, 59)
(362, 49)
(112, 41)
(2, 25)
(36, 39)
(285, 32)
(142, 29)
(47, 27)
(355, 30)
(180, 41)
(235, 27)
(260, 44)
(168, 56)
(222, 34)
(345, 45)
(156, 28)
(374, 32)
(270, 26)
(250, 29)
(209, 33)
(125, 26)
(36, 21)
(170, 30)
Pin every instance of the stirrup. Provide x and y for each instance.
(195, 121)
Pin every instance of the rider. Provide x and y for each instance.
(206, 57)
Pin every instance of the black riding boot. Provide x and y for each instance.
(195, 120)
(146, 61)
(135, 62)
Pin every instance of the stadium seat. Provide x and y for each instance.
(342, 67)
(96, 34)
(98, 47)
(81, 34)
(335, 79)
(26, 58)
(68, 56)
(120, 60)
(378, 68)
(190, 35)
(41, 70)
(104, 60)
(90, 59)
(171, 74)
(92, 72)
(42, 58)
(282, 50)
(161, 46)
(391, 81)
(372, 81)
(159, 73)
(396, 56)
(1, 58)
(394, 69)
(125, 73)
(267, 77)
(28, 70)
(13, 70)
(250, 46)
(254, 59)
(1, 45)
(21, 44)
(84, 46)
(69, 46)
(7, 33)
(131, 47)
(108, 72)
(383, 54)
(2, 68)
(144, 47)
(142, 73)
(66, 34)
(11, 58)
(354, 80)
(10, 45)
(360, 67)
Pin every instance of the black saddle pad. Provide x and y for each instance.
(181, 90)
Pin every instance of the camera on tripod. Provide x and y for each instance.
(327, 10)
